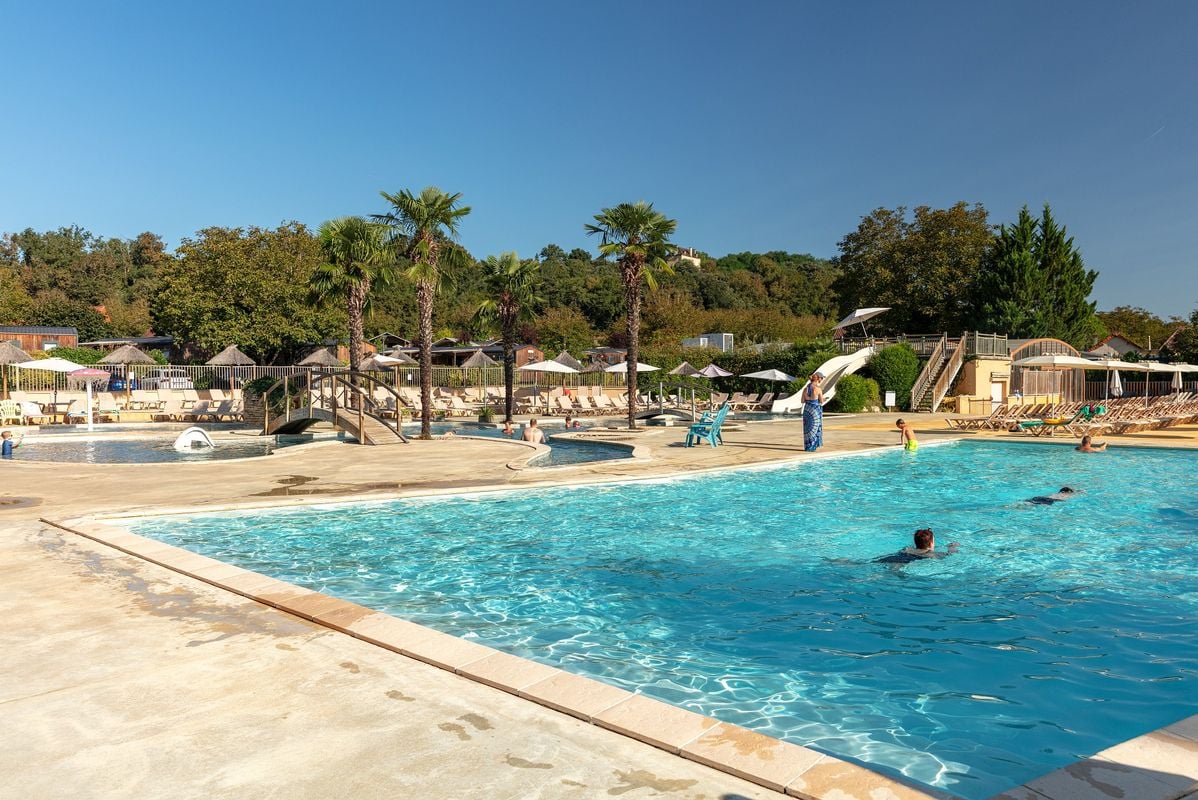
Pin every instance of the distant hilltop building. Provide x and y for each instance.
(688, 255)
(718, 341)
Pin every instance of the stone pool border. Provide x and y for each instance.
(772, 763)
(1159, 765)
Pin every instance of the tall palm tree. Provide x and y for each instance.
(640, 239)
(424, 228)
(513, 285)
(357, 257)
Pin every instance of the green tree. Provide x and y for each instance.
(1035, 284)
(924, 268)
(1011, 286)
(564, 328)
(1184, 346)
(513, 288)
(425, 227)
(16, 306)
(896, 369)
(639, 238)
(247, 287)
(1139, 325)
(357, 257)
(56, 309)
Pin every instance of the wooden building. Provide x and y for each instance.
(38, 337)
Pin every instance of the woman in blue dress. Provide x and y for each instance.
(813, 413)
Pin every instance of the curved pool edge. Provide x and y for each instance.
(781, 766)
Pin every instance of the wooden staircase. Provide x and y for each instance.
(941, 369)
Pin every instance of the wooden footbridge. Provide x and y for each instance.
(347, 400)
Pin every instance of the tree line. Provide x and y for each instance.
(265, 289)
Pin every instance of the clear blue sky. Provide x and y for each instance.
(759, 126)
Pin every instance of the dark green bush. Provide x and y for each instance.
(854, 394)
(896, 368)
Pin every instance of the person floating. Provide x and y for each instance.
(906, 435)
(8, 444)
(1049, 499)
(507, 429)
(925, 547)
(1089, 446)
(813, 413)
(533, 434)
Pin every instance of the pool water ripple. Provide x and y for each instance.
(752, 597)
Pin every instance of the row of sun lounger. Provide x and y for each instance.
(1123, 415)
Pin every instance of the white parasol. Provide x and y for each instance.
(859, 317)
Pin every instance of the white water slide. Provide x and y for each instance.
(833, 370)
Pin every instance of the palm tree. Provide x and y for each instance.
(513, 285)
(640, 239)
(424, 228)
(357, 257)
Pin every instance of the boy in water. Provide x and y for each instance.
(925, 547)
(906, 435)
(8, 444)
(1049, 499)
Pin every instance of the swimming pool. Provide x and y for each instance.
(751, 596)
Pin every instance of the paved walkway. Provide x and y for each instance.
(120, 678)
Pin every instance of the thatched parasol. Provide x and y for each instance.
(125, 355)
(595, 366)
(403, 357)
(480, 360)
(231, 356)
(564, 357)
(321, 357)
(684, 369)
(11, 354)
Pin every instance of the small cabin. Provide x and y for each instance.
(38, 337)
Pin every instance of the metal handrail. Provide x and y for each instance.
(929, 370)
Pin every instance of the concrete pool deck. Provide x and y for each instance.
(209, 692)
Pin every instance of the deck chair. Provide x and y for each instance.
(11, 413)
(202, 408)
(708, 430)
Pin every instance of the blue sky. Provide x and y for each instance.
(760, 125)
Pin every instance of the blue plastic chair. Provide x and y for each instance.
(708, 430)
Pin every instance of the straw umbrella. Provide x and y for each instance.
(11, 354)
(125, 355)
(480, 361)
(233, 358)
(685, 370)
(713, 371)
(321, 357)
(564, 357)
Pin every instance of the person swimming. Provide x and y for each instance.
(1049, 499)
(925, 548)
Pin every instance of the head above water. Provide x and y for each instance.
(6, 435)
(925, 539)
(1067, 490)
(532, 423)
(1086, 440)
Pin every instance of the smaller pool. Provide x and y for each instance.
(563, 451)
(143, 450)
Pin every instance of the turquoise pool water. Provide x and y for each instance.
(751, 596)
(563, 451)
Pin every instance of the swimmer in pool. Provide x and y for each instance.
(1049, 499)
(925, 547)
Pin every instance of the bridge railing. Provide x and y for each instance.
(342, 391)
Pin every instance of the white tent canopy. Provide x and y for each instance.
(770, 375)
(1059, 361)
(548, 366)
(859, 317)
(622, 367)
(713, 371)
(50, 365)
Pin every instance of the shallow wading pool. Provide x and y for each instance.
(752, 596)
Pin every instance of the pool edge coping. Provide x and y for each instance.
(783, 767)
